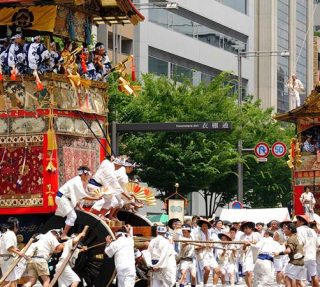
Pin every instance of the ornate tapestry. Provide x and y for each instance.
(21, 172)
(24, 95)
(74, 152)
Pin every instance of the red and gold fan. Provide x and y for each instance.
(137, 190)
(149, 194)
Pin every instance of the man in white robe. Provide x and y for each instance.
(105, 179)
(69, 196)
(205, 254)
(163, 260)
(68, 277)
(264, 266)
(309, 239)
(308, 202)
(295, 87)
(247, 254)
(9, 247)
(122, 249)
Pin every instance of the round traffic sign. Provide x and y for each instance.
(261, 150)
(279, 149)
(236, 205)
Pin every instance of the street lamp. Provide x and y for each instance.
(240, 148)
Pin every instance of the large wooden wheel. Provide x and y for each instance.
(133, 219)
(93, 267)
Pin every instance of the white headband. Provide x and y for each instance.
(84, 171)
(100, 47)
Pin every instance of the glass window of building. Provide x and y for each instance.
(195, 30)
(158, 67)
(239, 5)
(283, 62)
(301, 30)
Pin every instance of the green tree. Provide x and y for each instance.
(200, 162)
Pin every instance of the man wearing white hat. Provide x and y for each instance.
(36, 55)
(123, 251)
(163, 260)
(309, 239)
(69, 196)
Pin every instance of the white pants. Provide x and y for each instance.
(263, 273)
(17, 272)
(165, 277)
(294, 100)
(71, 218)
(67, 277)
(126, 280)
(108, 201)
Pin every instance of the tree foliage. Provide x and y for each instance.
(202, 162)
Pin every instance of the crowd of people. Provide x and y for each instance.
(19, 56)
(277, 254)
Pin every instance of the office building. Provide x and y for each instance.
(197, 41)
(283, 25)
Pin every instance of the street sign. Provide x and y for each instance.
(236, 205)
(279, 149)
(179, 127)
(261, 150)
(262, 159)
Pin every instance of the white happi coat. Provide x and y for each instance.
(162, 250)
(9, 239)
(248, 255)
(123, 251)
(206, 256)
(264, 269)
(68, 276)
(187, 251)
(309, 239)
(73, 191)
(308, 201)
(106, 176)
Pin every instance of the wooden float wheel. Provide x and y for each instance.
(93, 267)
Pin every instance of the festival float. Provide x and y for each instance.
(52, 123)
(305, 166)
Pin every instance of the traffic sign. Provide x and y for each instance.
(261, 150)
(262, 159)
(237, 205)
(279, 149)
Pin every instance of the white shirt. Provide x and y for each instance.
(268, 246)
(74, 190)
(123, 251)
(308, 237)
(44, 247)
(307, 196)
(162, 250)
(187, 250)
(122, 177)
(106, 176)
(8, 239)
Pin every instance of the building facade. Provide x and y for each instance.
(194, 43)
(283, 25)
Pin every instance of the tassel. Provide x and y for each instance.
(50, 197)
(38, 81)
(70, 21)
(83, 63)
(50, 167)
(1, 77)
(52, 140)
(133, 70)
(13, 75)
(50, 200)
